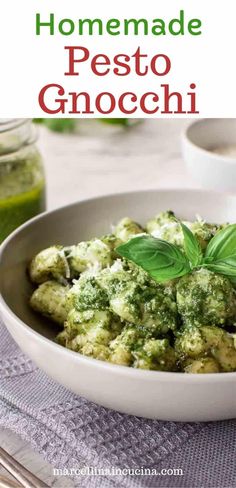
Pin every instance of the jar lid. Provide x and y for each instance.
(8, 124)
(15, 134)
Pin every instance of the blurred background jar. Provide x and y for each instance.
(22, 181)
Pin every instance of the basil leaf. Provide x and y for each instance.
(220, 256)
(223, 245)
(162, 260)
(192, 247)
(222, 267)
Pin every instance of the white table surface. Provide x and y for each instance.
(101, 159)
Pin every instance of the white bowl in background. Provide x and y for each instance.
(209, 169)
(151, 394)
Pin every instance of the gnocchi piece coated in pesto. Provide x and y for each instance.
(126, 229)
(110, 309)
(49, 264)
(204, 297)
(197, 343)
(98, 252)
(166, 227)
(49, 299)
(147, 304)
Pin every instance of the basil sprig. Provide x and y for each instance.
(164, 261)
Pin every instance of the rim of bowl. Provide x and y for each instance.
(186, 139)
(116, 368)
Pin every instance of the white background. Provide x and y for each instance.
(28, 62)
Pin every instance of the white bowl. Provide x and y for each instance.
(152, 394)
(209, 169)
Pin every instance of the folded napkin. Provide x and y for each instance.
(73, 433)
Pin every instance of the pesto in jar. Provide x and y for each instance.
(22, 183)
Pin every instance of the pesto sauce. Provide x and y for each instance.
(22, 191)
(15, 210)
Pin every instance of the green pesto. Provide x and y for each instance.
(22, 192)
(16, 210)
(90, 296)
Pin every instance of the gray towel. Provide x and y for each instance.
(73, 433)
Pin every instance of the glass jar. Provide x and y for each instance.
(22, 181)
